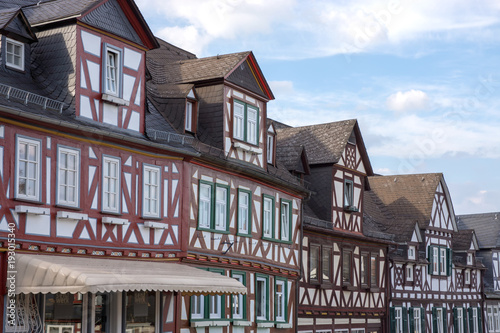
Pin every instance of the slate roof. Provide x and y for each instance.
(292, 158)
(462, 240)
(398, 202)
(56, 10)
(324, 143)
(486, 226)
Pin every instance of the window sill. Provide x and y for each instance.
(22, 209)
(265, 324)
(351, 209)
(284, 325)
(72, 216)
(243, 235)
(114, 100)
(247, 147)
(155, 225)
(114, 220)
(210, 323)
(213, 230)
(242, 323)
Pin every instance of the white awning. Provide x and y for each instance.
(68, 274)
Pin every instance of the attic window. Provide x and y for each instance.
(245, 122)
(270, 148)
(190, 118)
(112, 72)
(349, 196)
(469, 259)
(15, 54)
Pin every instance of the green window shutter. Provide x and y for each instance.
(392, 319)
(455, 319)
(430, 258)
(448, 262)
(434, 320)
(411, 319)
(404, 313)
(423, 320)
(471, 322)
(479, 320)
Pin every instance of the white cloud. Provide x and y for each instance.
(408, 101)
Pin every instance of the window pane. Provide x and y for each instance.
(325, 265)
(314, 263)
(140, 311)
(243, 212)
(373, 271)
(63, 312)
(220, 208)
(252, 125)
(268, 211)
(238, 119)
(285, 221)
(204, 209)
(346, 267)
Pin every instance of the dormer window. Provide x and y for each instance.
(190, 118)
(15, 54)
(411, 252)
(469, 259)
(112, 74)
(349, 196)
(270, 148)
(245, 122)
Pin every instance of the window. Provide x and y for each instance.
(112, 73)
(346, 266)
(409, 273)
(111, 184)
(314, 263)
(68, 176)
(469, 259)
(326, 266)
(270, 148)
(286, 226)
(439, 260)
(14, 54)
(374, 270)
(411, 252)
(467, 276)
(244, 212)
(281, 300)
(496, 318)
(364, 270)
(151, 191)
(239, 301)
(208, 306)
(214, 306)
(189, 116)
(213, 207)
(28, 169)
(197, 307)
(268, 217)
(439, 320)
(398, 319)
(349, 196)
(262, 298)
(475, 323)
(417, 320)
(61, 312)
(245, 122)
(491, 322)
(140, 311)
(459, 321)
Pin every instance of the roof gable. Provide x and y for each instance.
(14, 24)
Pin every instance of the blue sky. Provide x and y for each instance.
(422, 77)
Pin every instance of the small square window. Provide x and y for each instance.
(14, 54)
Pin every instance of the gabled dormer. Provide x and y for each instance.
(16, 36)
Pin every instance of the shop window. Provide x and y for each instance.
(63, 313)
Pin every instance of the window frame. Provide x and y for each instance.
(459, 320)
(496, 317)
(264, 297)
(37, 143)
(15, 44)
(409, 273)
(440, 260)
(284, 317)
(107, 208)
(156, 169)
(241, 213)
(348, 196)
(271, 199)
(286, 220)
(412, 250)
(213, 203)
(416, 319)
(188, 117)
(398, 319)
(439, 317)
(77, 153)
(347, 256)
(271, 139)
(118, 67)
(374, 270)
(224, 202)
(314, 249)
(206, 301)
(475, 320)
(364, 269)
(242, 124)
(241, 299)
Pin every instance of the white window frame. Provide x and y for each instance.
(221, 202)
(252, 124)
(63, 174)
(440, 320)
(475, 321)
(205, 206)
(245, 122)
(270, 148)
(197, 307)
(151, 191)
(244, 211)
(215, 306)
(469, 259)
(238, 308)
(267, 217)
(442, 261)
(36, 166)
(281, 296)
(491, 320)
(188, 124)
(435, 261)
(285, 220)
(496, 318)
(460, 320)
(14, 54)
(467, 273)
(417, 320)
(398, 319)
(107, 190)
(238, 120)
(112, 72)
(261, 305)
(411, 252)
(409, 273)
(357, 330)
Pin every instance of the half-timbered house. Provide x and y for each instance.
(343, 285)
(243, 211)
(93, 198)
(435, 282)
(487, 229)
